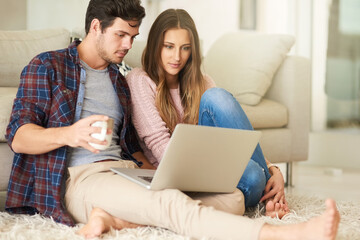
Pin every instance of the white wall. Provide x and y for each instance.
(212, 17)
(12, 15)
(69, 14)
(292, 17)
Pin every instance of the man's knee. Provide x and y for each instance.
(169, 198)
(233, 203)
(238, 203)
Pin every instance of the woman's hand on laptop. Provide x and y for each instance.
(139, 156)
(147, 165)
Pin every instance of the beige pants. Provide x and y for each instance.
(201, 215)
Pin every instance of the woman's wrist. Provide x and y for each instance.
(271, 168)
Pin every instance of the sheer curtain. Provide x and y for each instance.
(343, 65)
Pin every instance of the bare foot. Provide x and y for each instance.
(277, 209)
(327, 224)
(323, 227)
(100, 222)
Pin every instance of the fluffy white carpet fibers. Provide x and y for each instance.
(21, 227)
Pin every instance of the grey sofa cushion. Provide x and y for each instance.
(7, 95)
(17, 48)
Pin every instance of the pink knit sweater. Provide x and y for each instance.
(152, 131)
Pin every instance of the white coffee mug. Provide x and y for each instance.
(105, 125)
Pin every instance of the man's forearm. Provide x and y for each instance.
(33, 139)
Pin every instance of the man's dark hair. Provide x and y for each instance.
(107, 10)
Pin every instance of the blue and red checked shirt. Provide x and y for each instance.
(48, 95)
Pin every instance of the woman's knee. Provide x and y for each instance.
(218, 97)
(223, 109)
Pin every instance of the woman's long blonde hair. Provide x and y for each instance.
(191, 80)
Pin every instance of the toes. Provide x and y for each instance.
(270, 206)
(271, 214)
(277, 207)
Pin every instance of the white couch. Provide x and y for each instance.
(283, 113)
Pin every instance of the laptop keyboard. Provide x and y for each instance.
(146, 178)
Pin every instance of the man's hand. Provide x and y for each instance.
(79, 134)
(33, 139)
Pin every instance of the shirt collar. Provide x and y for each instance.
(73, 52)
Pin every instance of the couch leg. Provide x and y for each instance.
(289, 168)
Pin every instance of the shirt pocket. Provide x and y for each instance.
(62, 104)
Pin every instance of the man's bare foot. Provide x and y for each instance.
(100, 222)
(277, 209)
(323, 227)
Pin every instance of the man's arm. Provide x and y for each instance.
(34, 139)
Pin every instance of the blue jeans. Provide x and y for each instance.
(218, 108)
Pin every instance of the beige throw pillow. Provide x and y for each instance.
(244, 63)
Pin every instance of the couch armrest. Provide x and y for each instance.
(291, 87)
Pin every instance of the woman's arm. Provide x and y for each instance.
(209, 82)
(149, 125)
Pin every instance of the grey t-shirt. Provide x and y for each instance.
(100, 98)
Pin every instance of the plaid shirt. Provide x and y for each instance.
(48, 94)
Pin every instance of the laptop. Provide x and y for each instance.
(199, 159)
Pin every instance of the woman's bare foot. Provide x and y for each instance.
(276, 209)
(100, 222)
(323, 227)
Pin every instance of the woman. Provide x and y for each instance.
(171, 89)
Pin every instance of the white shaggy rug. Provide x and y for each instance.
(23, 227)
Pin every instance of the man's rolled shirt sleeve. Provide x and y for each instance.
(32, 99)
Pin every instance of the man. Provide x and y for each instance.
(52, 111)
(57, 172)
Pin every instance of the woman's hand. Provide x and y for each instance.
(139, 156)
(147, 165)
(275, 187)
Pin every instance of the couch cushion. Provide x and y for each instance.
(6, 159)
(267, 114)
(244, 63)
(17, 48)
(7, 95)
